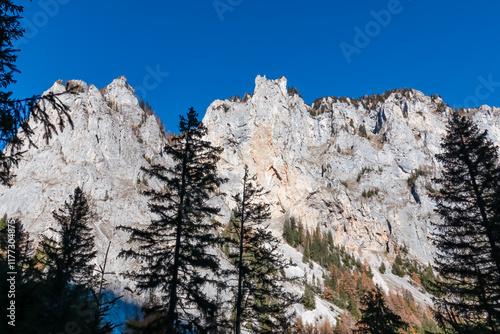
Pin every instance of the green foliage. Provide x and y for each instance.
(363, 171)
(429, 281)
(403, 266)
(369, 193)
(293, 91)
(180, 233)
(352, 307)
(146, 107)
(3, 222)
(260, 270)
(429, 326)
(59, 276)
(413, 177)
(69, 257)
(382, 268)
(398, 267)
(3, 232)
(308, 299)
(320, 247)
(376, 317)
(368, 102)
(362, 131)
(441, 107)
(292, 231)
(467, 237)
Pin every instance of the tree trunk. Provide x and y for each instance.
(239, 300)
(172, 306)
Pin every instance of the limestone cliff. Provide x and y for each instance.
(360, 168)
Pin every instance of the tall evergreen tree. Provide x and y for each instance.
(17, 263)
(67, 256)
(261, 300)
(175, 247)
(376, 317)
(468, 236)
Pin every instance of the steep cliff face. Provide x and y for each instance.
(111, 139)
(360, 168)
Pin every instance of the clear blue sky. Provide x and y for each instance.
(451, 48)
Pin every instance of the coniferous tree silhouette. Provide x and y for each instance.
(14, 112)
(174, 247)
(376, 317)
(67, 256)
(262, 303)
(468, 236)
(17, 263)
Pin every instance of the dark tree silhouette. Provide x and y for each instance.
(376, 317)
(14, 128)
(261, 300)
(17, 263)
(468, 236)
(175, 247)
(67, 255)
(103, 302)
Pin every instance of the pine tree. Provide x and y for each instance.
(376, 317)
(309, 299)
(261, 299)
(382, 268)
(174, 248)
(468, 236)
(67, 256)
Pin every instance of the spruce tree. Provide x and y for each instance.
(262, 304)
(174, 248)
(376, 317)
(67, 257)
(17, 262)
(468, 236)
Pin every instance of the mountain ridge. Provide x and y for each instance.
(369, 187)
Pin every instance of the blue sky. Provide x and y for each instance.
(188, 53)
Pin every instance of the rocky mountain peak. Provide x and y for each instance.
(360, 168)
(319, 162)
(270, 88)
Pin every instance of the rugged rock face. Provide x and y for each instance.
(321, 169)
(111, 139)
